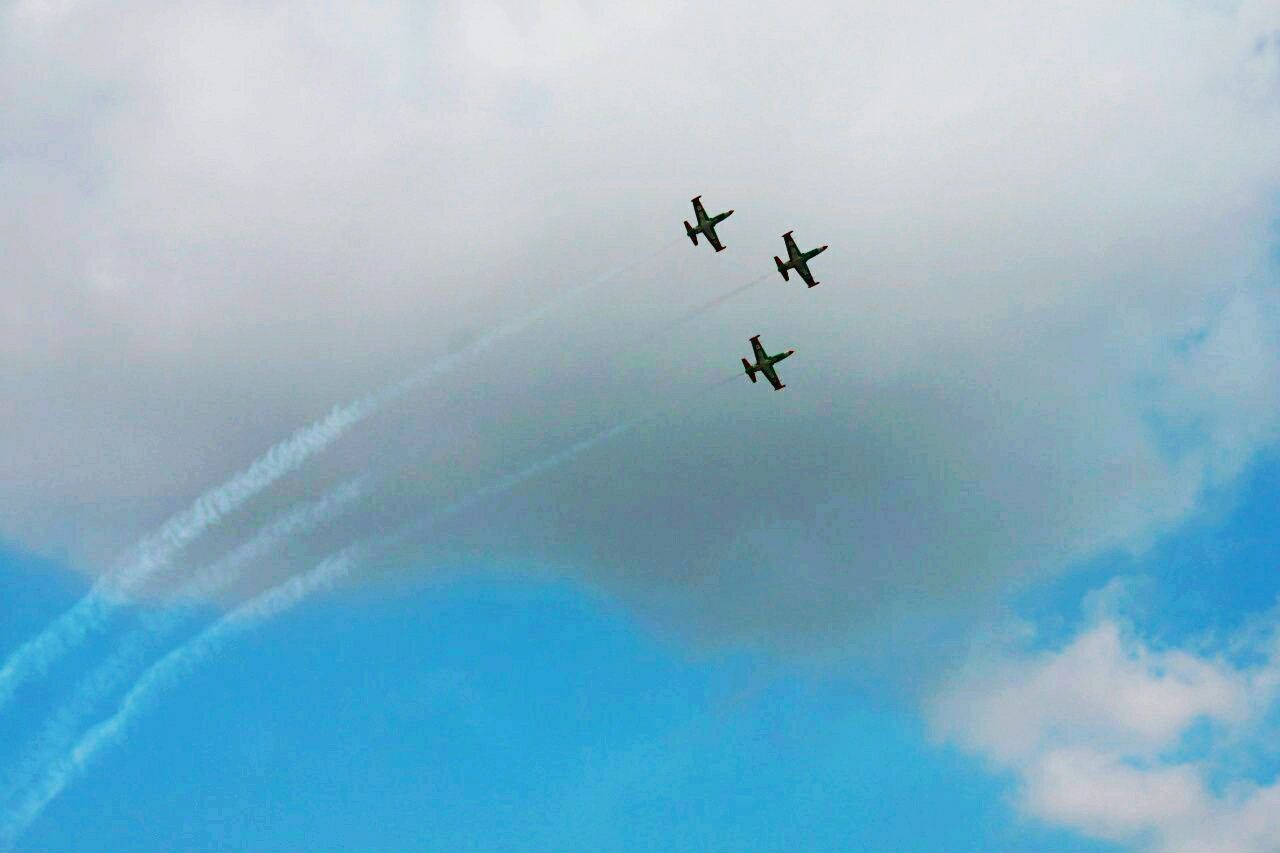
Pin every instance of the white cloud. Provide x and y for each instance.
(1098, 734)
(222, 220)
(1100, 795)
(1098, 689)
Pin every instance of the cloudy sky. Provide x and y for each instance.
(374, 473)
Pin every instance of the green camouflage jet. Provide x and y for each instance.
(797, 260)
(706, 224)
(764, 364)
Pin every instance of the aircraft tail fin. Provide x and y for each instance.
(781, 268)
(693, 235)
(751, 371)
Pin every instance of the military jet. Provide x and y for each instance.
(797, 260)
(764, 364)
(706, 224)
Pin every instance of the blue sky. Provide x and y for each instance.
(1213, 573)
(502, 714)
(995, 571)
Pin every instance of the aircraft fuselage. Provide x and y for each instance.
(707, 222)
(706, 225)
(803, 257)
(771, 360)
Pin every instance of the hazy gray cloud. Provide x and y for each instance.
(1043, 326)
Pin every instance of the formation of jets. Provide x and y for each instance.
(796, 260)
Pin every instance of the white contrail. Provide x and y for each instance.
(165, 671)
(156, 625)
(154, 553)
(182, 660)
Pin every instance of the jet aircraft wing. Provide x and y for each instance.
(772, 376)
(793, 251)
(761, 357)
(802, 267)
(698, 209)
(709, 231)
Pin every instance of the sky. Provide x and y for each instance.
(378, 471)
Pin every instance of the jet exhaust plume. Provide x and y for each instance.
(169, 669)
(60, 772)
(156, 626)
(725, 381)
(698, 310)
(154, 553)
(712, 304)
(161, 674)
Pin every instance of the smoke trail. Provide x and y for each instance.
(169, 669)
(710, 305)
(727, 379)
(182, 660)
(154, 553)
(59, 733)
(694, 312)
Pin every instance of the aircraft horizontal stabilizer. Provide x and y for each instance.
(693, 235)
(751, 371)
(781, 268)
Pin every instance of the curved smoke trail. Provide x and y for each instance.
(155, 552)
(278, 599)
(60, 731)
